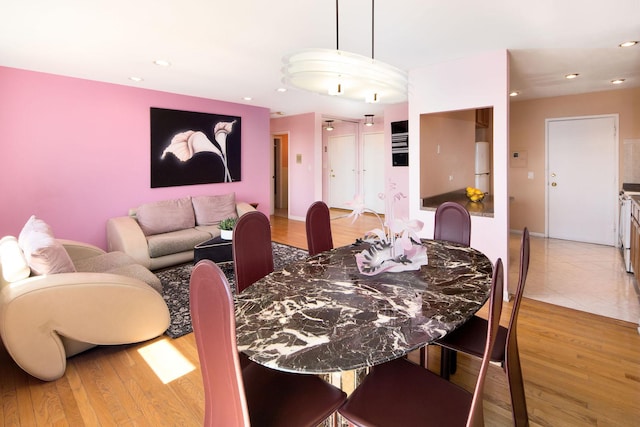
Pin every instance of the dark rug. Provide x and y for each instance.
(175, 285)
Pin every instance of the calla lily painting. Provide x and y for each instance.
(193, 148)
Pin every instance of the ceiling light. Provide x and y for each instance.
(629, 43)
(571, 76)
(514, 93)
(329, 125)
(617, 81)
(368, 119)
(337, 72)
(281, 89)
(247, 98)
(136, 79)
(162, 62)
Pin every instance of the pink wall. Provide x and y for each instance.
(397, 174)
(76, 152)
(471, 82)
(305, 177)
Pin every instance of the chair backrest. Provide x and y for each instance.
(214, 326)
(522, 278)
(452, 223)
(476, 417)
(252, 250)
(318, 225)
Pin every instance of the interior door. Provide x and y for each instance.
(373, 171)
(582, 179)
(342, 170)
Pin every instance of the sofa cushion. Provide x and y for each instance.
(44, 254)
(165, 216)
(210, 210)
(175, 242)
(119, 263)
(14, 264)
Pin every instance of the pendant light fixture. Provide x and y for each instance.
(341, 73)
(329, 125)
(368, 119)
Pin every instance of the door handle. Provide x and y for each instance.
(553, 184)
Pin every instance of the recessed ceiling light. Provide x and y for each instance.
(629, 43)
(247, 98)
(136, 79)
(162, 62)
(281, 89)
(617, 81)
(571, 76)
(514, 93)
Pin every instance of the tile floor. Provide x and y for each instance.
(581, 276)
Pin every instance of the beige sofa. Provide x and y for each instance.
(164, 233)
(64, 297)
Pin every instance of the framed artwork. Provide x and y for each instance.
(190, 148)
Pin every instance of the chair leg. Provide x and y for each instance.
(445, 365)
(516, 389)
(448, 362)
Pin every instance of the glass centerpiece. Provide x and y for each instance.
(395, 246)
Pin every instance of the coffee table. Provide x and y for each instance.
(217, 250)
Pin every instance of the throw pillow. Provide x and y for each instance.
(165, 216)
(210, 210)
(44, 254)
(14, 265)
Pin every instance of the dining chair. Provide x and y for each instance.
(467, 339)
(452, 223)
(252, 250)
(401, 393)
(254, 395)
(318, 226)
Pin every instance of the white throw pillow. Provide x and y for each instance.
(44, 254)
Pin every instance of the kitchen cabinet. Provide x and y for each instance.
(635, 237)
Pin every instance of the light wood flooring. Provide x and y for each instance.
(580, 369)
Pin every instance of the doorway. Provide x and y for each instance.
(373, 171)
(342, 170)
(280, 176)
(582, 179)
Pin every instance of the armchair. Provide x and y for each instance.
(46, 318)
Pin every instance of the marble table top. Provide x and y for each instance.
(321, 315)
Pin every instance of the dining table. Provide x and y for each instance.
(321, 315)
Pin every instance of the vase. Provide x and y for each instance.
(226, 234)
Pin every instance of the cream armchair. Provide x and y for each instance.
(47, 318)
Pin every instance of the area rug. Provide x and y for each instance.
(175, 285)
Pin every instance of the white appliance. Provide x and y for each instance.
(624, 225)
(483, 166)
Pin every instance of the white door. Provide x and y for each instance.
(342, 170)
(373, 171)
(582, 179)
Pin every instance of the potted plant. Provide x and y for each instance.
(226, 228)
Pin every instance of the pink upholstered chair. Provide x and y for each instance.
(467, 339)
(252, 250)
(318, 226)
(452, 223)
(400, 393)
(254, 395)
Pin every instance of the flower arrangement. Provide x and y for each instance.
(395, 246)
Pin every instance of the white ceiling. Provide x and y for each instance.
(232, 49)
